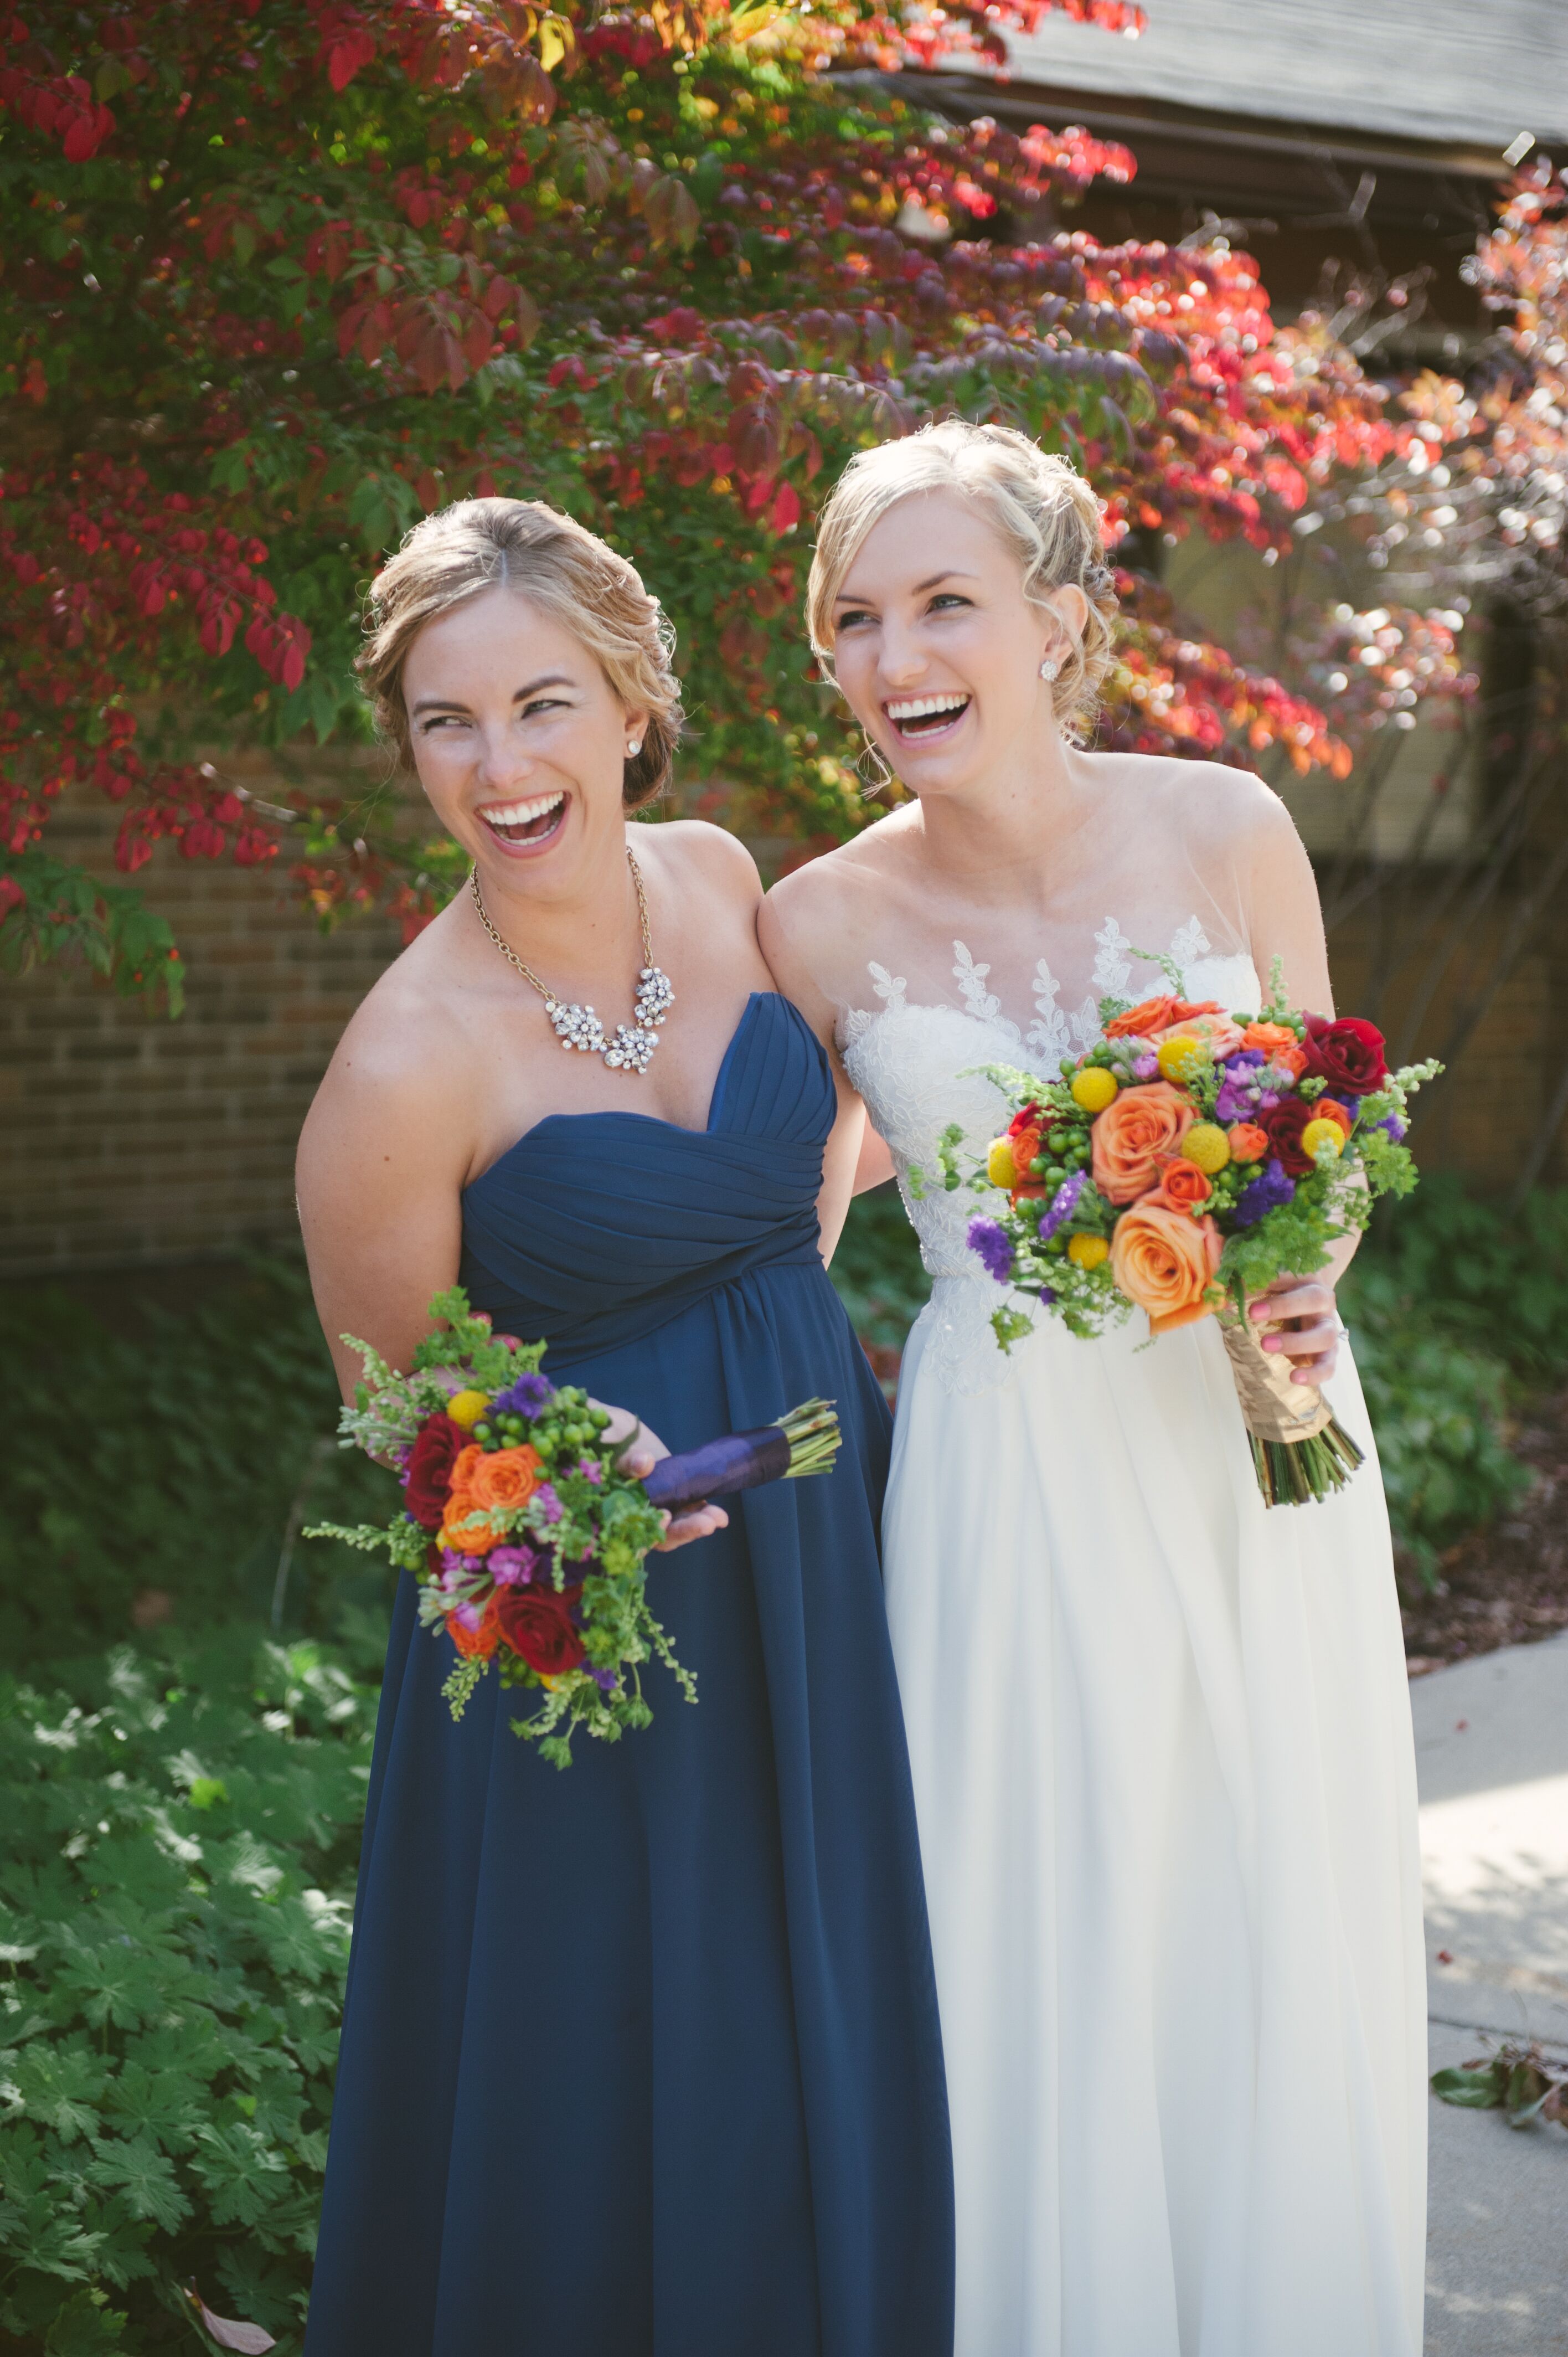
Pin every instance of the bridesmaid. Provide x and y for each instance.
(643, 2055)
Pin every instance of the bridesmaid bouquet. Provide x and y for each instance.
(1179, 1167)
(528, 1545)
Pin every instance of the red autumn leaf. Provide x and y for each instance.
(786, 508)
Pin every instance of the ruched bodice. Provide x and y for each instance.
(642, 2058)
(595, 1228)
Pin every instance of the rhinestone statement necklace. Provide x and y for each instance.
(631, 1048)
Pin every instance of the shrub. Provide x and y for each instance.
(1438, 1407)
(167, 1459)
(878, 1271)
(173, 1918)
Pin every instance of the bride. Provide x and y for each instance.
(1160, 1735)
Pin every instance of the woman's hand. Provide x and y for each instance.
(1295, 1320)
(647, 1448)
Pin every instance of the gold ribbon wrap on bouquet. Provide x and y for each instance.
(1300, 1451)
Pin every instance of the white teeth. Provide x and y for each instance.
(920, 707)
(519, 814)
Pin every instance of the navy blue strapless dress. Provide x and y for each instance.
(641, 2059)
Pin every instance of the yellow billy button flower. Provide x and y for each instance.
(1087, 1252)
(466, 1407)
(1207, 1144)
(1094, 1088)
(1320, 1134)
(1178, 1057)
(999, 1165)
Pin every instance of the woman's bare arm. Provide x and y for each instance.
(1297, 1318)
(847, 1147)
(379, 1178)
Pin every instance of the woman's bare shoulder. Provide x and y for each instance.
(1202, 799)
(406, 1052)
(827, 890)
(710, 856)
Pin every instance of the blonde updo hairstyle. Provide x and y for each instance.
(568, 573)
(1041, 507)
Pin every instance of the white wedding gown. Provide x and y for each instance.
(1163, 1765)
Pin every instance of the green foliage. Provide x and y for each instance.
(48, 910)
(174, 1921)
(166, 1457)
(1491, 1277)
(878, 1269)
(1522, 2080)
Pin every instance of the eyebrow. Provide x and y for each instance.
(949, 573)
(445, 704)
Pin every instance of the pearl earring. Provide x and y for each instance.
(1048, 670)
(634, 748)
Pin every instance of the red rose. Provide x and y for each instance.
(1031, 1117)
(1285, 1125)
(537, 1622)
(436, 1448)
(1346, 1055)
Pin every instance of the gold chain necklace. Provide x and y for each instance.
(631, 1048)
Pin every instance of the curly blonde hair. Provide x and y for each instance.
(1042, 506)
(571, 574)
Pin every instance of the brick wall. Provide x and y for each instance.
(130, 1140)
(127, 1138)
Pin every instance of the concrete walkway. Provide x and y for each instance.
(1492, 1738)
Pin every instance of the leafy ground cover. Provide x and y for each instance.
(156, 1458)
(175, 1903)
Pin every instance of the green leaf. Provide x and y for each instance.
(1480, 2089)
(135, 2168)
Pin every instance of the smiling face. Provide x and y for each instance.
(517, 737)
(936, 649)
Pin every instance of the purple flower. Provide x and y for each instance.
(550, 1507)
(512, 1566)
(1244, 1057)
(1235, 1101)
(590, 1468)
(527, 1396)
(1061, 1204)
(1392, 1127)
(1263, 1194)
(990, 1240)
(469, 1615)
(1146, 1068)
(604, 1679)
(455, 1565)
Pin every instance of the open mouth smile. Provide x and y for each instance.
(526, 825)
(920, 719)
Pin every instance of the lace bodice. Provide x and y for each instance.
(916, 1066)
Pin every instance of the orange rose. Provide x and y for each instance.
(461, 1502)
(1183, 1184)
(1026, 1145)
(505, 1477)
(481, 1641)
(1223, 1035)
(1162, 1260)
(1134, 1135)
(1248, 1142)
(1154, 1016)
(1278, 1042)
(1330, 1109)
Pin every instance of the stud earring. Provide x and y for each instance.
(1048, 670)
(634, 748)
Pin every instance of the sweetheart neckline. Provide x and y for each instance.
(650, 1120)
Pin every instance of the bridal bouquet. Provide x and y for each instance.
(528, 1545)
(1179, 1167)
